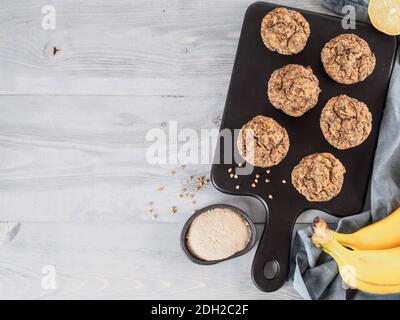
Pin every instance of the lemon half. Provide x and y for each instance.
(385, 16)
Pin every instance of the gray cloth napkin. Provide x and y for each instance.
(361, 7)
(314, 273)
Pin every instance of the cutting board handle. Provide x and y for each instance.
(271, 262)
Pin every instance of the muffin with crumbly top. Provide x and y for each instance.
(348, 59)
(345, 122)
(285, 31)
(319, 177)
(263, 142)
(294, 89)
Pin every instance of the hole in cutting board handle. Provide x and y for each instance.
(271, 269)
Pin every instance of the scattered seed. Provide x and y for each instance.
(154, 217)
(268, 171)
(188, 179)
(151, 210)
(183, 189)
(240, 164)
(180, 195)
(257, 175)
(172, 173)
(230, 170)
(267, 180)
(256, 180)
(202, 180)
(151, 203)
(237, 187)
(283, 181)
(182, 167)
(253, 185)
(173, 210)
(231, 175)
(270, 196)
(191, 196)
(236, 176)
(195, 210)
(160, 189)
(197, 189)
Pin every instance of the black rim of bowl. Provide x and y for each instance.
(185, 230)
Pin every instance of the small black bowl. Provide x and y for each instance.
(185, 229)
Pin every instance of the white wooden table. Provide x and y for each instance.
(74, 184)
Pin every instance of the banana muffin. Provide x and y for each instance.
(348, 59)
(263, 142)
(293, 89)
(285, 31)
(345, 122)
(319, 177)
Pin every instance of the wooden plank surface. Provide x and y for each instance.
(75, 186)
(115, 261)
(122, 47)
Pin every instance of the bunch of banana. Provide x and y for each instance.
(368, 259)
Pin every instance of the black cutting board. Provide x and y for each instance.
(247, 97)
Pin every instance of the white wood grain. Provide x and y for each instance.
(74, 183)
(122, 47)
(83, 159)
(118, 261)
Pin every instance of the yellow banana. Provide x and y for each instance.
(384, 234)
(372, 271)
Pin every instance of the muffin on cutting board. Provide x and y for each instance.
(293, 89)
(263, 142)
(345, 122)
(285, 31)
(348, 59)
(319, 177)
